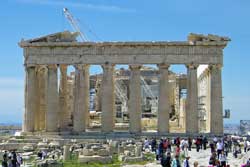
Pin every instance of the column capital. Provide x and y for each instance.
(135, 67)
(63, 66)
(52, 66)
(163, 66)
(214, 66)
(107, 66)
(192, 66)
(81, 66)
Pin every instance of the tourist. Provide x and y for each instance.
(189, 144)
(146, 144)
(177, 150)
(44, 154)
(165, 145)
(5, 159)
(229, 144)
(222, 159)
(186, 162)
(9, 162)
(160, 148)
(177, 141)
(176, 162)
(197, 143)
(204, 142)
(215, 140)
(219, 147)
(248, 161)
(196, 164)
(169, 143)
(212, 146)
(226, 147)
(153, 145)
(166, 160)
(40, 154)
(201, 141)
(245, 146)
(14, 159)
(212, 159)
(183, 143)
(19, 160)
(5, 155)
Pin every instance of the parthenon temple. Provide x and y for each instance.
(145, 97)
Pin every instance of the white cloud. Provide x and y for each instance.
(105, 8)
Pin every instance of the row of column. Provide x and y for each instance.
(55, 101)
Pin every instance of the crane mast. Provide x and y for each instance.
(74, 24)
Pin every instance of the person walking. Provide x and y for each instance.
(189, 144)
(176, 162)
(212, 159)
(197, 143)
(186, 162)
(222, 159)
(166, 160)
(219, 147)
(196, 164)
(153, 145)
(245, 146)
(205, 142)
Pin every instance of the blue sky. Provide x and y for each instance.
(120, 20)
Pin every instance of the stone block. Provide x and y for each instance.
(133, 159)
(95, 158)
(127, 153)
(87, 152)
(103, 152)
(28, 148)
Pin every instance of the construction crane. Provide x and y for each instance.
(74, 24)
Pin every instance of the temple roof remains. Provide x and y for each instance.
(67, 38)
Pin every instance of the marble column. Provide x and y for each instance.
(30, 96)
(52, 115)
(208, 99)
(81, 98)
(64, 114)
(37, 99)
(108, 102)
(134, 102)
(216, 113)
(43, 97)
(192, 120)
(98, 98)
(163, 104)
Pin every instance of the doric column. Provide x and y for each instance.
(163, 104)
(43, 97)
(37, 99)
(52, 115)
(216, 113)
(40, 82)
(30, 96)
(98, 98)
(192, 100)
(134, 104)
(81, 98)
(107, 103)
(64, 114)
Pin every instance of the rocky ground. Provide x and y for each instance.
(203, 157)
(29, 148)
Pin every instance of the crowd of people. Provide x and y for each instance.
(168, 150)
(11, 159)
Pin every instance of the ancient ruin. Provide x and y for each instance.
(118, 100)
